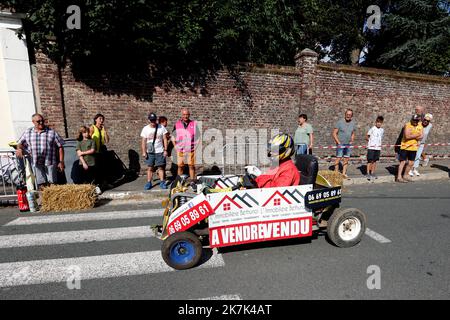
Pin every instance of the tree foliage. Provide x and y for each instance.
(184, 41)
(415, 37)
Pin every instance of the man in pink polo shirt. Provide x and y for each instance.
(185, 138)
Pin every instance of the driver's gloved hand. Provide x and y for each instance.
(253, 171)
(248, 181)
(193, 185)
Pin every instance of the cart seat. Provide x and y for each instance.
(308, 166)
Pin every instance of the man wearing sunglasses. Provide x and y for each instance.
(413, 133)
(45, 147)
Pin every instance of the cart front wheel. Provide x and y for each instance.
(182, 250)
(346, 227)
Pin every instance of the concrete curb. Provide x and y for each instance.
(157, 195)
(120, 195)
(386, 179)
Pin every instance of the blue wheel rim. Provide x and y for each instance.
(182, 252)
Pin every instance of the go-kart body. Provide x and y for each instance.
(252, 215)
(221, 214)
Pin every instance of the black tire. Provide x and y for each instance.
(182, 250)
(355, 218)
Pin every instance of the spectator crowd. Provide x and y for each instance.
(409, 147)
(158, 143)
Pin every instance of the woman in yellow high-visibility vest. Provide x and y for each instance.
(100, 136)
(98, 133)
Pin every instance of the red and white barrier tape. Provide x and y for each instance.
(378, 146)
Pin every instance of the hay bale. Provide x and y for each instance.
(335, 178)
(68, 197)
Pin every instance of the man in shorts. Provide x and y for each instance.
(413, 133)
(186, 136)
(344, 135)
(154, 150)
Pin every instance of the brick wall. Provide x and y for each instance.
(371, 92)
(252, 96)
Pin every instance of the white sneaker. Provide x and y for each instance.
(411, 173)
(416, 172)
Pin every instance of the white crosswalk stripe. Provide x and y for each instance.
(82, 217)
(66, 237)
(94, 267)
(376, 236)
(224, 297)
(101, 266)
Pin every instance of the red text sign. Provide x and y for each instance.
(190, 217)
(260, 231)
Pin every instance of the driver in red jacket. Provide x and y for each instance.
(286, 173)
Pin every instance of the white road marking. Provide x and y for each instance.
(65, 237)
(224, 297)
(94, 267)
(90, 216)
(376, 236)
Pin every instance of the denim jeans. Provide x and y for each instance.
(343, 150)
(418, 155)
(302, 148)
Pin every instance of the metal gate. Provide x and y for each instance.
(11, 172)
(236, 156)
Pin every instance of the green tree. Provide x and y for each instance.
(346, 21)
(415, 37)
(186, 41)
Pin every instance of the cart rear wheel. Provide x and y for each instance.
(182, 250)
(346, 227)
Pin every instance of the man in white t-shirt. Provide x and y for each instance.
(154, 150)
(374, 138)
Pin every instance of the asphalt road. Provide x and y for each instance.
(408, 248)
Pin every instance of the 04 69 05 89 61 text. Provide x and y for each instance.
(190, 217)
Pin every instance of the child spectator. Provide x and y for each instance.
(374, 138)
(162, 120)
(85, 151)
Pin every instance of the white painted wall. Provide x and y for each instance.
(16, 89)
(6, 128)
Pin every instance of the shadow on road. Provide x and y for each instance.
(440, 167)
(102, 202)
(363, 169)
(392, 169)
(269, 244)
